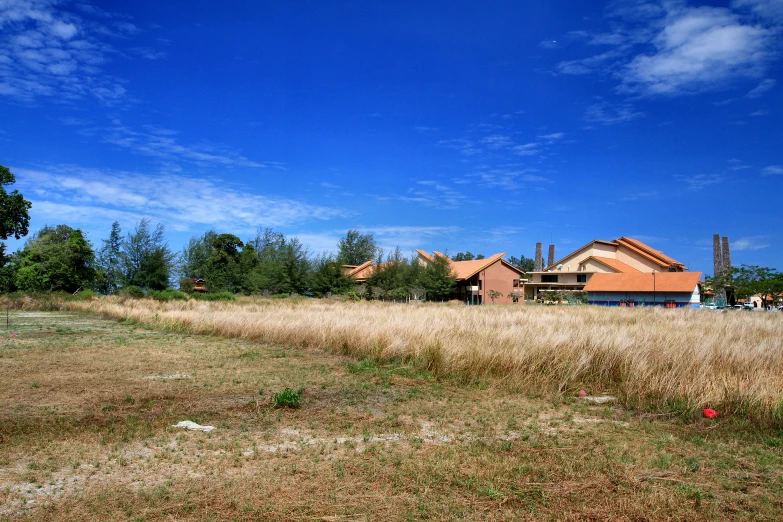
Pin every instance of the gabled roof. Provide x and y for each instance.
(560, 261)
(355, 270)
(653, 255)
(649, 253)
(425, 255)
(467, 269)
(674, 282)
(614, 264)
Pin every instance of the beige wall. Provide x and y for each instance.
(594, 266)
(637, 261)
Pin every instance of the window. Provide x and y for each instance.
(548, 278)
(517, 283)
(581, 278)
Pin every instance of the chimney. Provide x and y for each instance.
(726, 255)
(717, 256)
(551, 257)
(539, 262)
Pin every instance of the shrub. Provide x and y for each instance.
(187, 285)
(167, 295)
(132, 291)
(288, 398)
(217, 296)
(282, 295)
(86, 295)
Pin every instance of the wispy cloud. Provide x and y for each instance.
(181, 202)
(464, 146)
(758, 91)
(611, 114)
(429, 194)
(773, 170)
(700, 181)
(162, 143)
(750, 243)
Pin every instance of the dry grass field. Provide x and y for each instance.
(395, 423)
(656, 359)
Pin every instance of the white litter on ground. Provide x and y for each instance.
(190, 425)
(600, 399)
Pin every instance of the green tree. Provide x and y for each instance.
(147, 261)
(108, 262)
(193, 259)
(14, 218)
(356, 248)
(221, 268)
(750, 280)
(329, 277)
(56, 259)
(388, 279)
(494, 294)
(466, 256)
(438, 279)
(524, 263)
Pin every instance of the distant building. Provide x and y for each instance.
(668, 289)
(476, 278)
(620, 256)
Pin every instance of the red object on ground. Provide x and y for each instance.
(710, 413)
(582, 393)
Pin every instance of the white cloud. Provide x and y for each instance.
(773, 169)
(761, 88)
(699, 49)
(609, 114)
(161, 143)
(181, 202)
(668, 48)
(749, 243)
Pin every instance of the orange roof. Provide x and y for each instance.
(467, 269)
(645, 251)
(355, 270)
(644, 282)
(656, 256)
(425, 255)
(579, 250)
(614, 264)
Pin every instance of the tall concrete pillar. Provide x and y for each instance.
(539, 261)
(551, 257)
(717, 256)
(726, 255)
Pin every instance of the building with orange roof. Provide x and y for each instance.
(477, 278)
(619, 256)
(669, 289)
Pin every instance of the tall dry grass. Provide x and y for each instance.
(658, 359)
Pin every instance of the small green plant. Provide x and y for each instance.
(288, 398)
(132, 291)
(217, 296)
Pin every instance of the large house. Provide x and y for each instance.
(476, 279)
(620, 256)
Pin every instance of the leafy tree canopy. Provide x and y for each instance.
(14, 218)
(527, 264)
(56, 259)
(356, 248)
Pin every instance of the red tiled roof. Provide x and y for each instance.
(644, 282)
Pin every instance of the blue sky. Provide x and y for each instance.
(480, 126)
